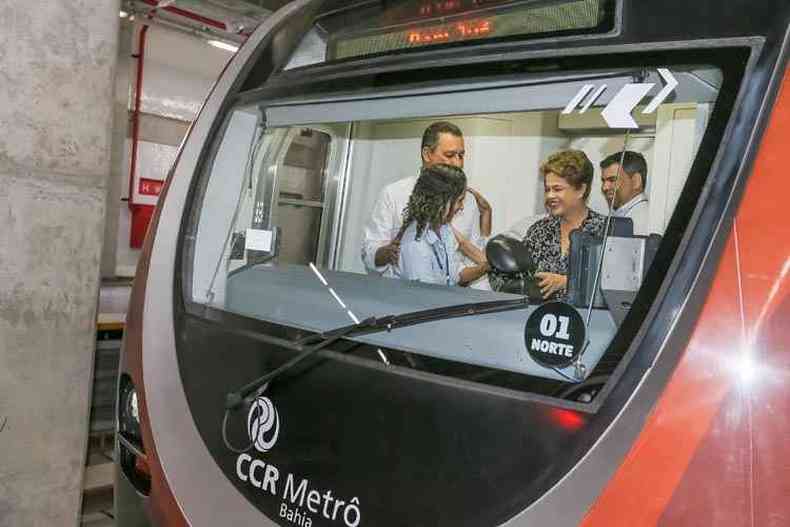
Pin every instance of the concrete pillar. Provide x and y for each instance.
(56, 91)
(119, 168)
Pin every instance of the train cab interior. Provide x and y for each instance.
(293, 183)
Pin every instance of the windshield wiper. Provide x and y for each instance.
(314, 343)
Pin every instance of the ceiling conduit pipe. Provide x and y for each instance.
(188, 14)
(138, 93)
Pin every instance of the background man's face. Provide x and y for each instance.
(449, 151)
(627, 188)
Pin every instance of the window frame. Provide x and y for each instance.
(735, 74)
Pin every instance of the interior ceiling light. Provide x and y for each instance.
(123, 14)
(224, 45)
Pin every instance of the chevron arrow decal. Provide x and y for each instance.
(617, 113)
(671, 84)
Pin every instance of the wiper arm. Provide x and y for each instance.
(314, 343)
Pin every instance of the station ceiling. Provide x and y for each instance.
(272, 5)
(229, 19)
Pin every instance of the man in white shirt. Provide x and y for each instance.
(624, 188)
(442, 142)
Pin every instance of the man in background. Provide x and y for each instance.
(624, 188)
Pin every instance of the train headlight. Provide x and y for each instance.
(129, 412)
(131, 454)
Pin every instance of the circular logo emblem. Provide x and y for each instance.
(554, 334)
(263, 424)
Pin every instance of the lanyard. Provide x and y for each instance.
(446, 267)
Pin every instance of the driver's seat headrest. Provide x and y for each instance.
(508, 255)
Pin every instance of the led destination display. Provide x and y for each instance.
(412, 25)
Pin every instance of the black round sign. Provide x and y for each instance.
(554, 334)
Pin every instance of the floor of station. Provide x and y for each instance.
(97, 490)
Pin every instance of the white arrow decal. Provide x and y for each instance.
(573, 103)
(593, 98)
(663, 94)
(617, 113)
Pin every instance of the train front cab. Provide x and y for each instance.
(675, 412)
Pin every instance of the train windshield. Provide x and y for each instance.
(357, 29)
(316, 214)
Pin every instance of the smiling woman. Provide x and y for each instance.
(568, 177)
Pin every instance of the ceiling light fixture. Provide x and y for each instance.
(123, 14)
(224, 45)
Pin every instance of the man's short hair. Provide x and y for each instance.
(430, 138)
(633, 162)
(571, 165)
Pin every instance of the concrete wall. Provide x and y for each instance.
(119, 164)
(56, 82)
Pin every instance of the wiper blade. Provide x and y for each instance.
(314, 343)
(390, 322)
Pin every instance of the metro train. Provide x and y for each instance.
(269, 378)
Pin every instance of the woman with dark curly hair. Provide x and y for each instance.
(428, 247)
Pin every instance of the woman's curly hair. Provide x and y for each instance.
(436, 186)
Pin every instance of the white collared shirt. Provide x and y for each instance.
(387, 218)
(637, 208)
(433, 258)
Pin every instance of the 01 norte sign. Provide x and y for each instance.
(554, 335)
